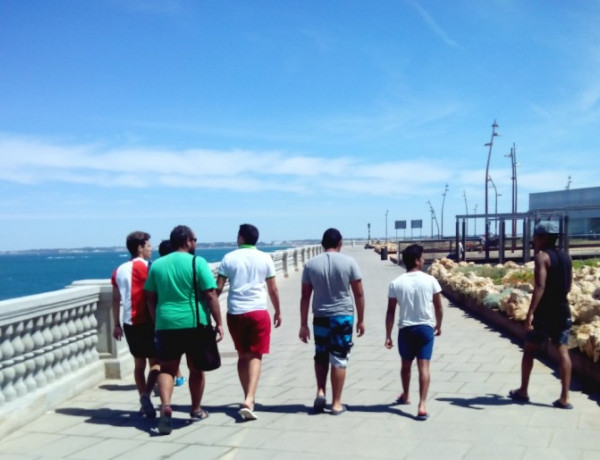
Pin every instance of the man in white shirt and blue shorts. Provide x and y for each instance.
(420, 309)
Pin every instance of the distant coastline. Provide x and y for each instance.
(199, 245)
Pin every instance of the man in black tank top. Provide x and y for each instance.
(549, 315)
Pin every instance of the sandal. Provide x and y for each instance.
(199, 415)
(400, 399)
(516, 395)
(164, 424)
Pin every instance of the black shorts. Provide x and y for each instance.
(172, 343)
(557, 332)
(140, 338)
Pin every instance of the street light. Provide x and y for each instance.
(443, 201)
(466, 209)
(514, 164)
(433, 218)
(386, 220)
(496, 205)
(490, 144)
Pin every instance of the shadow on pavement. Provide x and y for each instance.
(487, 400)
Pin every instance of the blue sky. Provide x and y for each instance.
(292, 115)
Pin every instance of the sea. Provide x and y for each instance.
(30, 272)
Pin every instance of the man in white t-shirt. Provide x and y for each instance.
(251, 274)
(420, 309)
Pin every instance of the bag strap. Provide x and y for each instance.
(196, 290)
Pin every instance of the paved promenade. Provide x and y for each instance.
(472, 370)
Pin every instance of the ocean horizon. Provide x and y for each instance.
(24, 273)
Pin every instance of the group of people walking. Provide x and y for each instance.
(164, 309)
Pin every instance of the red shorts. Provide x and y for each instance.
(251, 332)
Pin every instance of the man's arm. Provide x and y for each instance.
(215, 310)
(221, 280)
(540, 273)
(274, 296)
(151, 302)
(359, 300)
(437, 305)
(116, 311)
(304, 305)
(389, 322)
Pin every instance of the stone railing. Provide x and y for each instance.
(55, 345)
(47, 352)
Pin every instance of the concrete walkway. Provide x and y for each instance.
(472, 370)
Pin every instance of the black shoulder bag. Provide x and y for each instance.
(207, 357)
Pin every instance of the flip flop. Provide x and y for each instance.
(515, 395)
(401, 400)
(164, 424)
(199, 415)
(422, 417)
(560, 405)
(340, 411)
(247, 414)
(319, 404)
(147, 407)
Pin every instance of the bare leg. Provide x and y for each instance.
(249, 367)
(139, 375)
(338, 376)
(196, 386)
(152, 375)
(321, 371)
(565, 373)
(424, 379)
(405, 378)
(168, 369)
(529, 351)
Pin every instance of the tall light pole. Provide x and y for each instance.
(467, 210)
(443, 201)
(433, 219)
(514, 164)
(386, 220)
(496, 205)
(490, 144)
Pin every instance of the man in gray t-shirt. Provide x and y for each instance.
(334, 278)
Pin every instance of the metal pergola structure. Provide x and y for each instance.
(527, 219)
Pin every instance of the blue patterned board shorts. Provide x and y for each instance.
(333, 339)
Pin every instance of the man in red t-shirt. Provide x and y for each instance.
(133, 319)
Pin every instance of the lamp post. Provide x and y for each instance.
(514, 164)
(443, 201)
(467, 210)
(490, 144)
(386, 220)
(433, 218)
(496, 205)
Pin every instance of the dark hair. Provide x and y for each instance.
(410, 255)
(249, 233)
(331, 238)
(165, 248)
(135, 240)
(179, 236)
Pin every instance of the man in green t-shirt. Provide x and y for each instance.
(171, 301)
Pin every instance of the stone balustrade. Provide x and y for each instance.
(56, 344)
